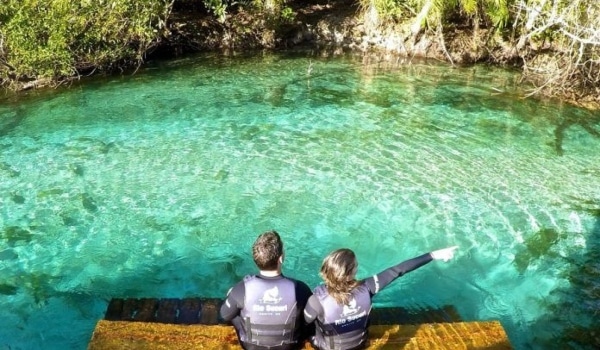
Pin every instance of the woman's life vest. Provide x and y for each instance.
(343, 326)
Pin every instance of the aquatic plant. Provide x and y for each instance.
(536, 246)
(13, 235)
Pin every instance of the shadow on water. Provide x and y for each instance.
(579, 321)
(11, 121)
(588, 122)
(565, 121)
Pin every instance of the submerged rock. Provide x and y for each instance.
(9, 170)
(8, 289)
(17, 198)
(16, 234)
(8, 254)
(77, 169)
(10, 122)
(89, 203)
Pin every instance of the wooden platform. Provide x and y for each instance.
(206, 311)
(111, 335)
(194, 323)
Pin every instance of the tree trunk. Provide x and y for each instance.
(416, 27)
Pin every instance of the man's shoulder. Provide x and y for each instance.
(240, 287)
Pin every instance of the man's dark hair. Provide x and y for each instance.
(266, 250)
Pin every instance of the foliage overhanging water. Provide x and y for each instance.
(155, 185)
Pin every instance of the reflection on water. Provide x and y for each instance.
(155, 185)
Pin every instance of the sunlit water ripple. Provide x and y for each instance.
(155, 185)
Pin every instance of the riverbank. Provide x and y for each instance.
(331, 27)
(335, 27)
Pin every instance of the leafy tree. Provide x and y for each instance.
(559, 42)
(437, 12)
(63, 38)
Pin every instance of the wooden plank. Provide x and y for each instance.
(433, 336)
(114, 309)
(189, 311)
(206, 311)
(146, 310)
(210, 311)
(110, 335)
(166, 311)
(130, 309)
(488, 335)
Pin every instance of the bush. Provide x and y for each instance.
(62, 38)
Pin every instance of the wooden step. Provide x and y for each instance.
(194, 323)
(206, 311)
(110, 335)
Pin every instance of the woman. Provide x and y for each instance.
(341, 306)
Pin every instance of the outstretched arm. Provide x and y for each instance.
(379, 281)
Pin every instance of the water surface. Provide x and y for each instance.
(156, 184)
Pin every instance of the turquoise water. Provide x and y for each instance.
(156, 184)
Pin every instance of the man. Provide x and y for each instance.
(266, 309)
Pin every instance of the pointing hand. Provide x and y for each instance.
(444, 254)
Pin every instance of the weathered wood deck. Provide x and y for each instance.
(206, 311)
(194, 323)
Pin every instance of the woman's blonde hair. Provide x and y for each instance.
(339, 273)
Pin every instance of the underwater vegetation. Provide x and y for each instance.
(573, 318)
(12, 235)
(536, 246)
(88, 203)
(9, 170)
(77, 169)
(86, 147)
(17, 198)
(591, 206)
(583, 331)
(12, 121)
(37, 285)
(8, 289)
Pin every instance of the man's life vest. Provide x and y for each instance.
(269, 312)
(343, 326)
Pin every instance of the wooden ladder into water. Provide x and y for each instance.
(194, 323)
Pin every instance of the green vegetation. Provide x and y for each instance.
(62, 38)
(220, 8)
(555, 42)
(537, 246)
(559, 41)
(433, 13)
(8, 289)
(12, 235)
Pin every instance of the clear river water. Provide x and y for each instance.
(156, 184)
